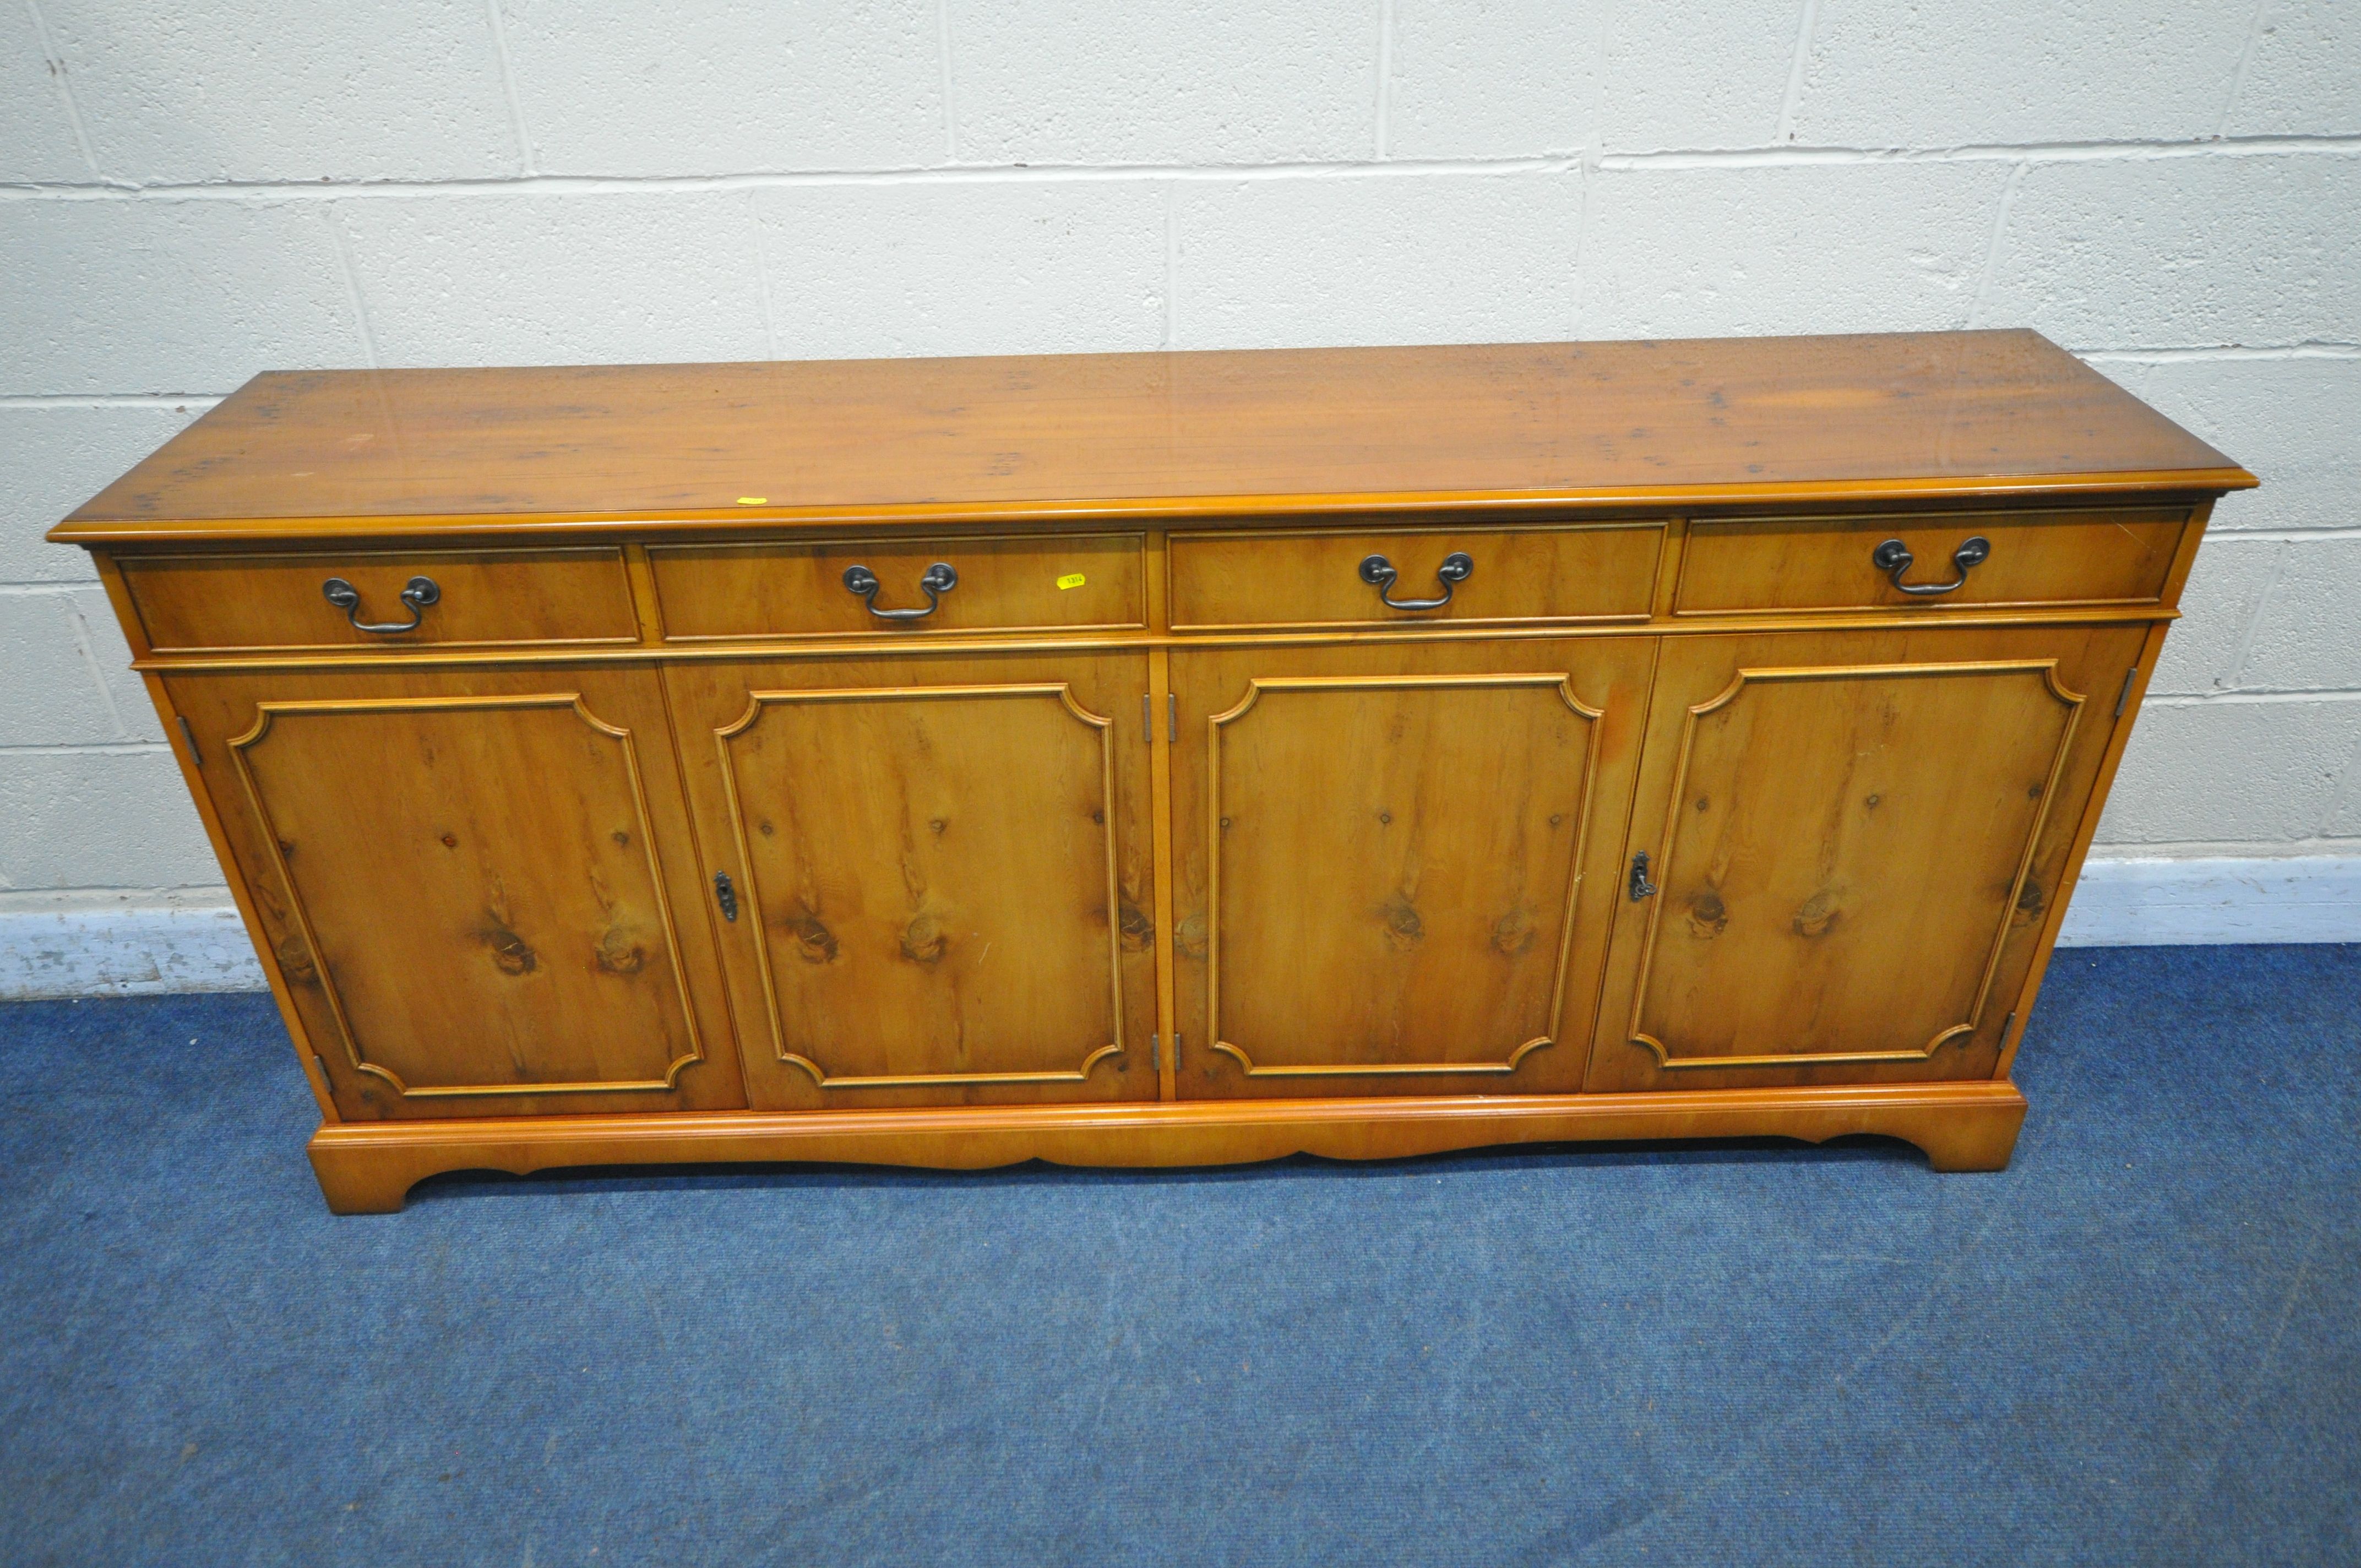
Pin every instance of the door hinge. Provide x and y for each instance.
(1172, 715)
(322, 1063)
(726, 894)
(2124, 697)
(2006, 1026)
(189, 735)
(1155, 1058)
(1147, 721)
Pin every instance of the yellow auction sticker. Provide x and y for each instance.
(1070, 580)
(753, 500)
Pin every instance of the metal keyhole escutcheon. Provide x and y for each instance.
(1640, 886)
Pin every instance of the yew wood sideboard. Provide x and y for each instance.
(1157, 758)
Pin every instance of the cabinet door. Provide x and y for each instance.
(1394, 866)
(1856, 842)
(942, 870)
(478, 887)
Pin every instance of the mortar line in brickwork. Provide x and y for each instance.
(499, 26)
(2343, 786)
(1730, 157)
(943, 66)
(2219, 534)
(762, 275)
(1791, 103)
(56, 63)
(1986, 152)
(2251, 698)
(2224, 848)
(2256, 613)
(87, 646)
(2313, 349)
(343, 241)
(1999, 238)
(1171, 268)
(92, 749)
(181, 401)
(2246, 65)
(1587, 173)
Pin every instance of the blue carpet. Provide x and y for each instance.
(2139, 1345)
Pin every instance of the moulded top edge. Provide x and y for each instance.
(1174, 510)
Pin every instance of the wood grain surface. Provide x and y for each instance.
(478, 888)
(1310, 577)
(944, 871)
(1235, 432)
(1962, 1126)
(1394, 867)
(220, 603)
(2095, 556)
(1856, 837)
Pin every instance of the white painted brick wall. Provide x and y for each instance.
(1703, 250)
(557, 277)
(250, 90)
(1219, 82)
(100, 816)
(945, 267)
(2295, 419)
(170, 294)
(1440, 257)
(1941, 74)
(57, 454)
(2199, 249)
(189, 195)
(36, 133)
(2300, 78)
(1491, 79)
(2271, 768)
(741, 85)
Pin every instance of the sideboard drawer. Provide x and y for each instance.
(837, 587)
(345, 598)
(2108, 556)
(1598, 572)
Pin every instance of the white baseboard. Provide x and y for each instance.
(142, 950)
(135, 951)
(2159, 902)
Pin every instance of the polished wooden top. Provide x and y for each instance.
(1230, 432)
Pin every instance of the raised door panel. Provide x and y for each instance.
(478, 887)
(943, 873)
(1854, 843)
(1394, 865)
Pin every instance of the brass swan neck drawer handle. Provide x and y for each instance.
(938, 580)
(1379, 574)
(1894, 558)
(418, 593)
